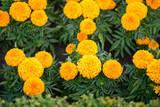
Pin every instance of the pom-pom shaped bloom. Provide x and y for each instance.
(44, 58)
(69, 48)
(14, 57)
(103, 4)
(112, 5)
(132, 1)
(112, 69)
(72, 0)
(157, 89)
(87, 47)
(88, 26)
(138, 8)
(154, 4)
(153, 45)
(144, 41)
(68, 71)
(89, 66)
(4, 18)
(39, 17)
(72, 10)
(81, 36)
(33, 87)
(30, 67)
(90, 9)
(153, 71)
(130, 21)
(142, 59)
(37, 4)
(20, 11)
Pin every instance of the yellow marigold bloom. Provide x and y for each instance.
(72, 0)
(37, 4)
(144, 41)
(89, 66)
(153, 71)
(130, 21)
(142, 59)
(90, 9)
(30, 67)
(132, 1)
(33, 87)
(87, 47)
(112, 69)
(81, 36)
(153, 45)
(44, 58)
(69, 48)
(4, 18)
(103, 4)
(68, 71)
(39, 17)
(88, 26)
(112, 5)
(154, 4)
(72, 10)
(20, 11)
(138, 8)
(14, 57)
(157, 89)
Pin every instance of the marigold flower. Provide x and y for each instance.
(153, 45)
(37, 4)
(130, 21)
(138, 8)
(30, 67)
(154, 4)
(112, 69)
(33, 87)
(144, 41)
(157, 89)
(16, 0)
(68, 71)
(103, 4)
(72, 10)
(90, 9)
(81, 36)
(87, 47)
(39, 17)
(44, 58)
(112, 5)
(142, 59)
(153, 71)
(4, 18)
(69, 48)
(72, 0)
(88, 26)
(20, 11)
(89, 66)
(132, 1)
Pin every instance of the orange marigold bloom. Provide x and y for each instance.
(14, 57)
(37, 4)
(130, 21)
(88, 26)
(157, 89)
(112, 5)
(89, 66)
(144, 41)
(69, 48)
(142, 59)
(90, 9)
(39, 17)
(81, 36)
(72, 0)
(112, 69)
(138, 8)
(153, 45)
(103, 4)
(132, 1)
(16, 0)
(30, 67)
(20, 11)
(72, 10)
(87, 47)
(154, 4)
(4, 18)
(33, 87)
(68, 71)
(44, 58)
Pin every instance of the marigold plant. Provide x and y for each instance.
(103, 4)
(132, 1)
(4, 18)
(144, 41)
(69, 48)
(154, 4)
(82, 36)
(37, 4)
(157, 89)
(112, 5)
(153, 45)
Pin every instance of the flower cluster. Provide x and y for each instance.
(30, 69)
